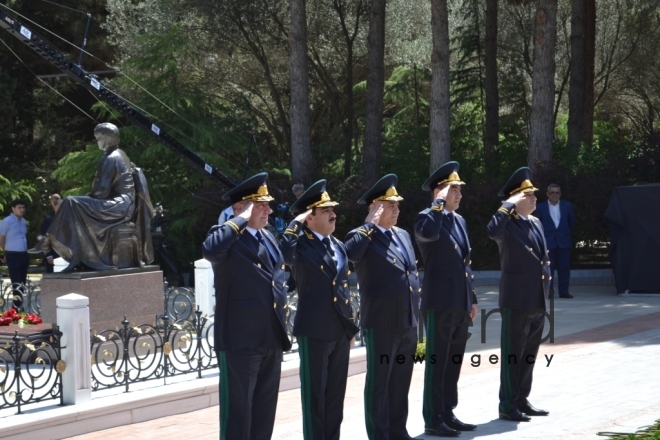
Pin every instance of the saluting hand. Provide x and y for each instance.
(516, 198)
(301, 217)
(375, 211)
(442, 194)
(246, 211)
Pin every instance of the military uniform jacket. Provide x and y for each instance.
(250, 293)
(524, 259)
(388, 284)
(323, 294)
(447, 273)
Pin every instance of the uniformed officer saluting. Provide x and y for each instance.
(322, 325)
(384, 261)
(250, 331)
(523, 292)
(449, 302)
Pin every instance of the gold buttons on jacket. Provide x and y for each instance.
(274, 305)
(455, 246)
(258, 264)
(419, 290)
(542, 277)
(472, 276)
(531, 250)
(283, 283)
(550, 278)
(335, 299)
(466, 274)
(346, 302)
(345, 284)
(282, 267)
(321, 267)
(273, 283)
(334, 282)
(470, 262)
(411, 288)
(349, 272)
(393, 260)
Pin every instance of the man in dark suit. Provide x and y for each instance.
(322, 324)
(387, 274)
(250, 329)
(558, 221)
(523, 293)
(449, 302)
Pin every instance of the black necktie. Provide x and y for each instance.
(328, 246)
(390, 236)
(263, 243)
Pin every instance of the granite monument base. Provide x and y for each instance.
(136, 293)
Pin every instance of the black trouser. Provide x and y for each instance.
(560, 260)
(17, 265)
(446, 336)
(522, 331)
(388, 381)
(249, 386)
(323, 375)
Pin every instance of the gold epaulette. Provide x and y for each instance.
(234, 226)
(309, 235)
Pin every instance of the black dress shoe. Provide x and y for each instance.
(528, 409)
(440, 429)
(514, 416)
(454, 423)
(566, 295)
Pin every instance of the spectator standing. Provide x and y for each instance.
(13, 240)
(558, 222)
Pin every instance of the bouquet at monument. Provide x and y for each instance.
(11, 316)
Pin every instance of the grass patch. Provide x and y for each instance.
(651, 432)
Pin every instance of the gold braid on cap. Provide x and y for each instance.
(390, 195)
(261, 195)
(526, 185)
(452, 178)
(325, 200)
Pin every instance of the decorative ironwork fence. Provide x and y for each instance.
(179, 302)
(130, 355)
(31, 370)
(31, 293)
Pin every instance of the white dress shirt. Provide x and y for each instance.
(555, 214)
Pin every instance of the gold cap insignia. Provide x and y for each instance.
(324, 202)
(390, 195)
(261, 195)
(526, 186)
(452, 179)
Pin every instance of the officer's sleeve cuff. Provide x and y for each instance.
(238, 224)
(438, 205)
(507, 208)
(294, 227)
(367, 229)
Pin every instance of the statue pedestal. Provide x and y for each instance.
(136, 293)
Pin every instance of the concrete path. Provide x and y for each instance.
(602, 376)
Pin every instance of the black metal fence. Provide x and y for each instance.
(130, 355)
(29, 292)
(31, 369)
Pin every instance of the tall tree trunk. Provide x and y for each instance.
(440, 118)
(590, 66)
(491, 135)
(373, 131)
(301, 156)
(541, 127)
(350, 113)
(576, 91)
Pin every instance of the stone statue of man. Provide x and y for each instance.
(109, 227)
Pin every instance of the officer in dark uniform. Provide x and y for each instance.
(250, 329)
(322, 325)
(449, 302)
(524, 289)
(387, 274)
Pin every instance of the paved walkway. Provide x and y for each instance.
(602, 376)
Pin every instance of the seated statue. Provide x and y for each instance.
(110, 227)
